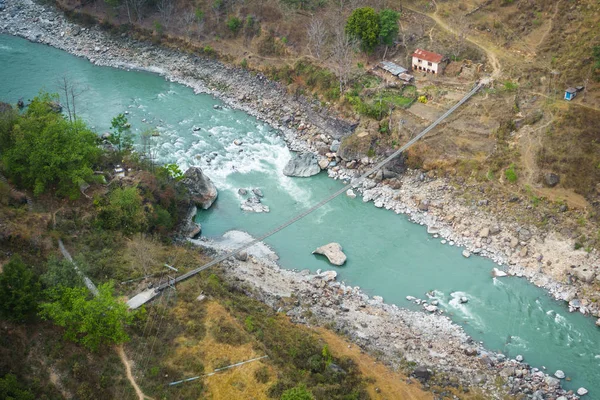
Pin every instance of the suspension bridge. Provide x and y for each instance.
(149, 294)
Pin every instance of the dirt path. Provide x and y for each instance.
(550, 25)
(490, 53)
(127, 365)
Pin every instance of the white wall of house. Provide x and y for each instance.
(422, 65)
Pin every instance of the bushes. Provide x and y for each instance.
(510, 174)
(20, 290)
(122, 211)
(234, 24)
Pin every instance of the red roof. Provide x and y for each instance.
(428, 56)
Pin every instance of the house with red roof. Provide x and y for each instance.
(427, 61)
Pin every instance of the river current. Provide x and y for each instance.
(387, 254)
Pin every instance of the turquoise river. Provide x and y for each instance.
(387, 255)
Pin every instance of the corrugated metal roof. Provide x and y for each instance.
(392, 68)
(571, 90)
(428, 56)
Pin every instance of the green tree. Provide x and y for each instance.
(121, 132)
(388, 23)
(234, 24)
(122, 211)
(47, 151)
(91, 321)
(11, 389)
(297, 393)
(19, 290)
(363, 24)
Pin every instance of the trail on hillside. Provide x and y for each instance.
(550, 26)
(127, 365)
(490, 53)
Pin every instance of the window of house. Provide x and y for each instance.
(430, 64)
(419, 61)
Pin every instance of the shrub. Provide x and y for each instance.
(225, 332)
(234, 24)
(122, 211)
(19, 290)
(510, 174)
(297, 393)
(262, 374)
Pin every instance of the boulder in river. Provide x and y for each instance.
(253, 204)
(498, 273)
(333, 252)
(202, 190)
(559, 374)
(302, 165)
(582, 391)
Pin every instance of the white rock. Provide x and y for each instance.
(582, 391)
(559, 374)
(431, 308)
(410, 298)
(498, 273)
(519, 358)
(466, 253)
(333, 252)
(328, 276)
(350, 193)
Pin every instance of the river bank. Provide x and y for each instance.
(293, 133)
(407, 340)
(545, 258)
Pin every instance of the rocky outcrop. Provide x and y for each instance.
(333, 252)
(201, 189)
(188, 227)
(303, 165)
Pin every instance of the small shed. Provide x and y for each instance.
(396, 70)
(570, 93)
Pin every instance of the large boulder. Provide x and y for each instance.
(422, 373)
(188, 227)
(302, 165)
(333, 252)
(551, 179)
(202, 190)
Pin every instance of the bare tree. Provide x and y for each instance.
(462, 27)
(70, 92)
(141, 248)
(317, 36)
(343, 46)
(187, 20)
(166, 8)
(138, 7)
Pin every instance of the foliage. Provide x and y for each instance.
(121, 132)
(297, 393)
(19, 290)
(297, 354)
(122, 210)
(199, 14)
(173, 171)
(363, 24)
(45, 150)
(8, 118)
(388, 22)
(510, 174)
(159, 29)
(11, 389)
(60, 273)
(234, 24)
(94, 321)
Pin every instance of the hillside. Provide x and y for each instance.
(533, 49)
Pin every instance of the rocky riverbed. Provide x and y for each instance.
(435, 202)
(404, 339)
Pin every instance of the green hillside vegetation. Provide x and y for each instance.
(58, 337)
